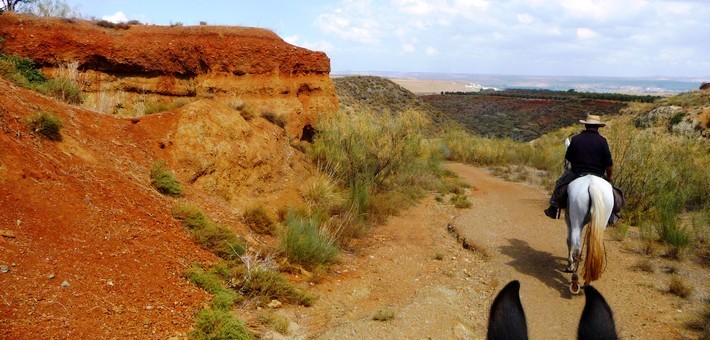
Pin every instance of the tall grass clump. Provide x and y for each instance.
(545, 153)
(221, 240)
(47, 125)
(372, 154)
(163, 180)
(305, 243)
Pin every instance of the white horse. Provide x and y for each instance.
(590, 200)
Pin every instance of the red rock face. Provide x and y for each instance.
(251, 65)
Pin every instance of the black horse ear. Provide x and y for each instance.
(507, 318)
(597, 321)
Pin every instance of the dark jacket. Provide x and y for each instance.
(589, 153)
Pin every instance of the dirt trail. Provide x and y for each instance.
(414, 268)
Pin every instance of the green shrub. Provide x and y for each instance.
(164, 181)
(221, 240)
(219, 324)
(27, 69)
(9, 72)
(47, 125)
(223, 297)
(259, 221)
(267, 285)
(304, 243)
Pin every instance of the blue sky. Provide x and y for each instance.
(630, 38)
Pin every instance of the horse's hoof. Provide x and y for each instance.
(574, 287)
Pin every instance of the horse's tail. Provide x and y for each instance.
(595, 256)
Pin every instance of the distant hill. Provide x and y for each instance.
(380, 95)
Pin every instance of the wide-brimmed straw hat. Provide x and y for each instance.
(593, 120)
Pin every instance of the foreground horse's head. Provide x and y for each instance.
(507, 318)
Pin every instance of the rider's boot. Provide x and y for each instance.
(551, 212)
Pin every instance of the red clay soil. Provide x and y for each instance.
(161, 50)
(89, 248)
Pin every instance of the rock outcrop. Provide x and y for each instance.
(122, 69)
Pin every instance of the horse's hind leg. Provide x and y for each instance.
(572, 240)
(574, 287)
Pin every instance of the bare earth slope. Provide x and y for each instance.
(398, 270)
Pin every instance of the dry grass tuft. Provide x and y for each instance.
(383, 314)
(645, 265)
(678, 286)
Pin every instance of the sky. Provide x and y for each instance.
(619, 38)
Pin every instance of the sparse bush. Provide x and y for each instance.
(266, 285)
(164, 181)
(221, 240)
(151, 107)
(679, 287)
(701, 322)
(63, 89)
(239, 105)
(275, 322)
(219, 324)
(383, 315)
(274, 118)
(645, 265)
(52, 8)
(461, 201)
(47, 125)
(111, 25)
(304, 243)
(259, 221)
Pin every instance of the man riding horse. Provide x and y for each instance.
(588, 153)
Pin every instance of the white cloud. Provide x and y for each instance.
(602, 10)
(408, 48)
(415, 7)
(116, 17)
(431, 51)
(584, 33)
(342, 27)
(524, 19)
(320, 45)
(293, 40)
